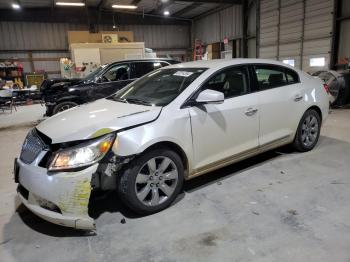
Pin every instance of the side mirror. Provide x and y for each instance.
(209, 96)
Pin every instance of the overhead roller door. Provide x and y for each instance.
(318, 32)
(268, 28)
(296, 30)
(344, 36)
(291, 31)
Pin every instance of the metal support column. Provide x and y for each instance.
(278, 30)
(302, 36)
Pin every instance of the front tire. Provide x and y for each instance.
(151, 182)
(308, 131)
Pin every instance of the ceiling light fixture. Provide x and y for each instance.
(114, 27)
(124, 6)
(166, 13)
(70, 3)
(16, 6)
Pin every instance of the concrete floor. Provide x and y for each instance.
(24, 116)
(280, 206)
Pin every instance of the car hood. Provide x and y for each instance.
(95, 119)
(51, 84)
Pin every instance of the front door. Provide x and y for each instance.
(115, 78)
(223, 131)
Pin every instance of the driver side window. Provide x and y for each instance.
(117, 73)
(232, 82)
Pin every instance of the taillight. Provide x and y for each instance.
(326, 87)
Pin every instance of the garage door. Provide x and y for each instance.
(298, 32)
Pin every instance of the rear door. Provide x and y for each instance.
(142, 68)
(280, 102)
(222, 131)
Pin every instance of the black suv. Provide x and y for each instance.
(62, 94)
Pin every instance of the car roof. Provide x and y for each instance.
(144, 59)
(220, 63)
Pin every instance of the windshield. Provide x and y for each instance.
(92, 75)
(158, 88)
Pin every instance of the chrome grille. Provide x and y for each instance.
(32, 147)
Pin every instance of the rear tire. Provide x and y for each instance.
(308, 131)
(151, 182)
(63, 106)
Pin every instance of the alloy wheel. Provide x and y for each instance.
(309, 131)
(156, 181)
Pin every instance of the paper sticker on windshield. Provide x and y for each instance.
(183, 73)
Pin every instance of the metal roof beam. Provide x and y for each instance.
(234, 2)
(161, 7)
(80, 16)
(186, 9)
(135, 2)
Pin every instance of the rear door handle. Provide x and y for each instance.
(298, 98)
(251, 111)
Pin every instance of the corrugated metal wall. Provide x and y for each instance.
(158, 36)
(296, 29)
(251, 34)
(215, 27)
(53, 36)
(50, 41)
(344, 41)
(35, 36)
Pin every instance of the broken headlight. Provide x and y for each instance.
(82, 155)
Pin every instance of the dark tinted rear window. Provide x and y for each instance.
(272, 76)
(143, 68)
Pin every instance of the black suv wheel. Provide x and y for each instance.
(63, 106)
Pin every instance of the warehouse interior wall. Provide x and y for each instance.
(252, 28)
(39, 46)
(53, 36)
(298, 32)
(344, 37)
(214, 27)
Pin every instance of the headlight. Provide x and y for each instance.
(82, 155)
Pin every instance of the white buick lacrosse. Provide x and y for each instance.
(171, 125)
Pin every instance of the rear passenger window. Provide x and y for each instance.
(274, 76)
(164, 64)
(292, 77)
(143, 68)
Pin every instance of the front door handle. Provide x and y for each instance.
(251, 111)
(298, 98)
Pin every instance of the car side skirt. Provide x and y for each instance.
(241, 156)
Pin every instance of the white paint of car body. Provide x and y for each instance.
(202, 132)
(210, 97)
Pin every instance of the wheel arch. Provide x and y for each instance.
(317, 109)
(174, 147)
(74, 99)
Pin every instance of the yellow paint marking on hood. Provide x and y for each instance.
(102, 131)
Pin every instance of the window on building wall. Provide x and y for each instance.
(317, 61)
(290, 62)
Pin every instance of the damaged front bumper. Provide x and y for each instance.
(61, 198)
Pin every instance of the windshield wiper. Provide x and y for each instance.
(138, 101)
(117, 99)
